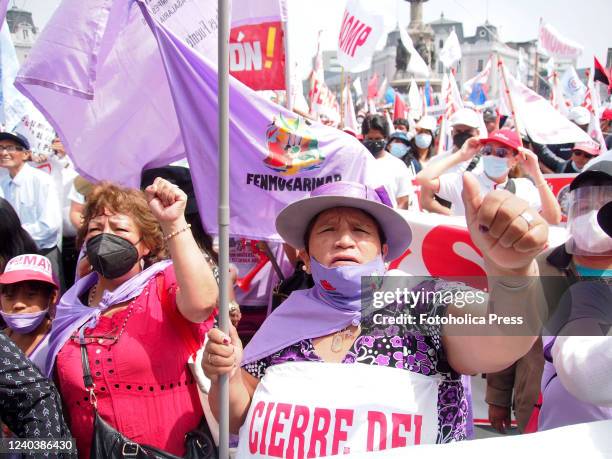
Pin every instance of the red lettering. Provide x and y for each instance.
(441, 260)
(262, 445)
(363, 36)
(257, 411)
(282, 409)
(352, 36)
(339, 434)
(29, 260)
(418, 423)
(400, 420)
(374, 418)
(343, 28)
(319, 432)
(301, 415)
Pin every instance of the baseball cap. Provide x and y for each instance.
(28, 267)
(399, 135)
(592, 148)
(466, 117)
(505, 137)
(579, 115)
(598, 170)
(15, 137)
(607, 114)
(489, 115)
(428, 123)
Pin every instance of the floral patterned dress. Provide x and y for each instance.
(416, 348)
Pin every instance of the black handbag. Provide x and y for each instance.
(108, 443)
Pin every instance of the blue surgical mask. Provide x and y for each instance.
(592, 272)
(495, 167)
(398, 149)
(24, 323)
(423, 140)
(340, 286)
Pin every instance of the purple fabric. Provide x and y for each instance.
(276, 156)
(331, 305)
(71, 313)
(559, 407)
(3, 7)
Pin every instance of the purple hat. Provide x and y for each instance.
(292, 221)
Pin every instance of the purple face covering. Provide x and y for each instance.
(24, 323)
(331, 305)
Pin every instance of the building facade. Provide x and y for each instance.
(23, 31)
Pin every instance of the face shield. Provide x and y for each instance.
(587, 237)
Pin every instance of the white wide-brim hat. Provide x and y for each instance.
(292, 221)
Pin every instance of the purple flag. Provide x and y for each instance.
(3, 7)
(276, 156)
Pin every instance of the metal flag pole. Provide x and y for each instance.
(223, 211)
(517, 126)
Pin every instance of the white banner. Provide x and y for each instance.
(362, 26)
(573, 88)
(451, 52)
(312, 409)
(556, 45)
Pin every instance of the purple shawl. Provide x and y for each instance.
(71, 313)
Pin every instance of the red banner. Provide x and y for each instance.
(559, 183)
(257, 55)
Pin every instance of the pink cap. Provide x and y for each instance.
(505, 137)
(28, 267)
(592, 147)
(607, 114)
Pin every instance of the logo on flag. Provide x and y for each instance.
(292, 146)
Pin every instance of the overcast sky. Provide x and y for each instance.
(587, 22)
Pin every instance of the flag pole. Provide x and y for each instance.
(288, 81)
(223, 211)
(502, 67)
(342, 84)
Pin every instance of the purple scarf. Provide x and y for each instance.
(71, 313)
(332, 304)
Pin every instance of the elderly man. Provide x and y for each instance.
(33, 195)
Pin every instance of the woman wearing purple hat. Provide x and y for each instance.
(325, 376)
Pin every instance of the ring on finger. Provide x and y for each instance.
(528, 218)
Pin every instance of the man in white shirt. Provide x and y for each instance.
(394, 171)
(34, 197)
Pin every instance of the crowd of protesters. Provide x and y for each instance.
(100, 285)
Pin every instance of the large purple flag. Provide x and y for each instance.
(3, 7)
(276, 156)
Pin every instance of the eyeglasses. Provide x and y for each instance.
(583, 153)
(499, 152)
(10, 148)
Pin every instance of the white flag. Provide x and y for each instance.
(350, 119)
(362, 26)
(17, 112)
(555, 45)
(382, 89)
(414, 101)
(357, 87)
(573, 87)
(482, 78)
(451, 52)
(558, 100)
(521, 67)
(594, 106)
(543, 123)
(417, 65)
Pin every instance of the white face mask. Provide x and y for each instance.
(495, 167)
(588, 235)
(423, 140)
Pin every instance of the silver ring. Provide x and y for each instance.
(528, 218)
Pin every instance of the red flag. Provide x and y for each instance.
(602, 75)
(399, 108)
(373, 87)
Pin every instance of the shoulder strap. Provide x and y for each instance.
(511, 186)
(473, 163)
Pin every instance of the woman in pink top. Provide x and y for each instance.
(130, 312)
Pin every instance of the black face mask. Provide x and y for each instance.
(460, 138)
(374, 146)
(111, 256)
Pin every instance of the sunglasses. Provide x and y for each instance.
(500, 152)
(583, 153)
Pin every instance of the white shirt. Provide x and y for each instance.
(395, 175)
(34, 197)
(451, 185)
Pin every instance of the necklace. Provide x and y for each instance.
(92, 294)
(339, 336)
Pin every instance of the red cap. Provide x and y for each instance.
(28, 267)
(592, 148)
(505, 137)
(607, 114)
